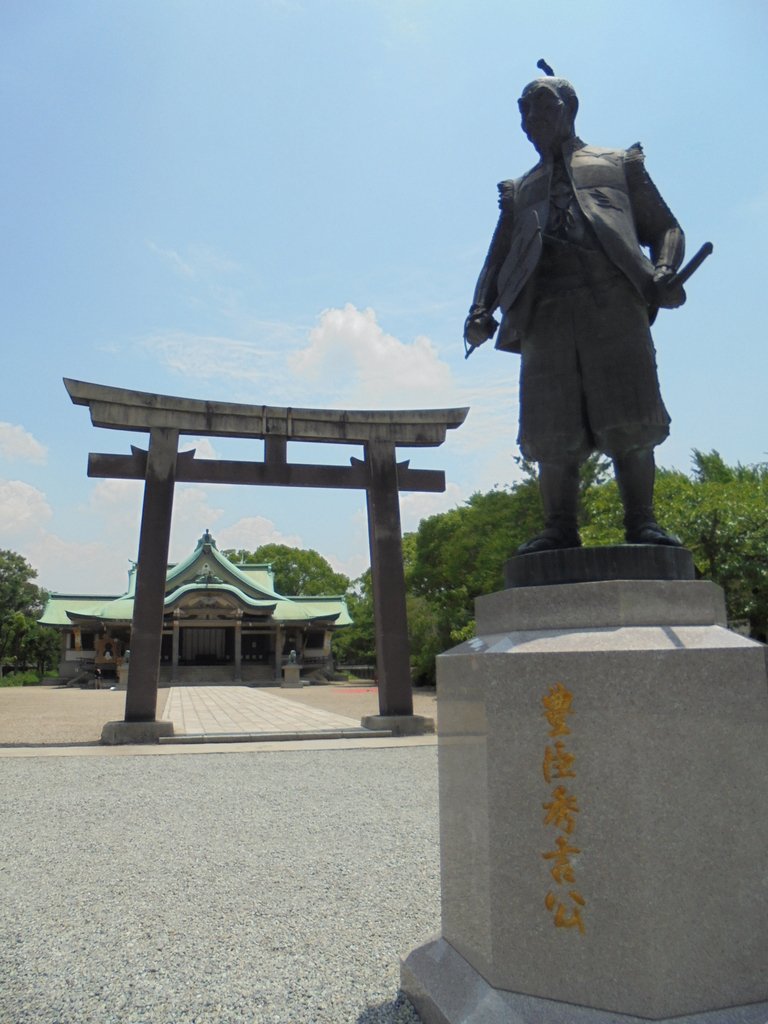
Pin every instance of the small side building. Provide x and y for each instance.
(223, 622)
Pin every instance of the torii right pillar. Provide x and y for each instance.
(388, 578)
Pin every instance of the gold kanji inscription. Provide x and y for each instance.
(566, 917)
(569, 918)
(562, 869)
(561, 810)
(557, 706)
(558, 763)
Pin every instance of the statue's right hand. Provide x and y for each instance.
(667, 294)
(479, 326)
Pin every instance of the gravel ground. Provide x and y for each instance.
(268, 888)
(59, 714)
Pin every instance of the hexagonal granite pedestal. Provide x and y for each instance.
(603, 759)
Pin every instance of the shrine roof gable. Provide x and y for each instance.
(208, 565)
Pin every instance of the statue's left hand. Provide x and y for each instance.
(479, 326)
(667, 294)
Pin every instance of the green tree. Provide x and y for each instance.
(461, 553)
(426, 637)
(720, 513)
(457, 555)
(22, 641)
(298, 571)
(38, 648)
(356, 645)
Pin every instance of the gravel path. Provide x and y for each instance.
(268, 888)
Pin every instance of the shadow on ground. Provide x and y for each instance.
(394, 1011)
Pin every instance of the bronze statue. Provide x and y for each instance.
(577, 295)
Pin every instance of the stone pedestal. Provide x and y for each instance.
(120, 733)
(400, 725)
(122, 676)
(291, 676)
(603, 753)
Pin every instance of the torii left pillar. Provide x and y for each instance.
(140, 725)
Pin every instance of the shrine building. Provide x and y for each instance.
(222, 623)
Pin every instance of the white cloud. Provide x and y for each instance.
(362, 365)
(355, 545)
(108, 495)
(75, 567)
(22, 508)
(250, 371)
(197, 260)
(210, 357)
(61, 565)
(346, 360)
(115, 508)
(251, 532)
(417, 505)
(201, 446)
(18, 443)
(193, 513)
(99, 565)
(117, 505)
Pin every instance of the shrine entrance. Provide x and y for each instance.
(209, 645)
(166, 418)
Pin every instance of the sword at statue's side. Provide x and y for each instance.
(691, 266)
(677, 281)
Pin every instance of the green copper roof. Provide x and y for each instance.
(206, 570)
(313, 609)
(175, 596)
(207, 554)
(59, 605)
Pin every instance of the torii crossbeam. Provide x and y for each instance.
(165, 418)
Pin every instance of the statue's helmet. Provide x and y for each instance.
(559, 86)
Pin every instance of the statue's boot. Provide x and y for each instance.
(635, 475)
(559, 489)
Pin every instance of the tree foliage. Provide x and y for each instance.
(720, 512)
(456, 556)
(23, 642)
(356, 645)
(298, 571)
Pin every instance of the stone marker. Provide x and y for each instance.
(603, 812)
(292, 676)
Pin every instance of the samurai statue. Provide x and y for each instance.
(584, 253)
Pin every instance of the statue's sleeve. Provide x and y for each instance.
(657, 228)
(486, 297)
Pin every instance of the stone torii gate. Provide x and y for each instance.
(378, 473)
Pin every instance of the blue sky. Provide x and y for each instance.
(287, 202)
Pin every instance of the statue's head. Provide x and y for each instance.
(548, 107)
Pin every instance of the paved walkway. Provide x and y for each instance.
(238, 710)
(53, 720)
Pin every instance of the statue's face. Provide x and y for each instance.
(546, 119)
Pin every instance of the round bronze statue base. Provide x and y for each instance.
(592, 565)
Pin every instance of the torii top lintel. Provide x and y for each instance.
(121, 409)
